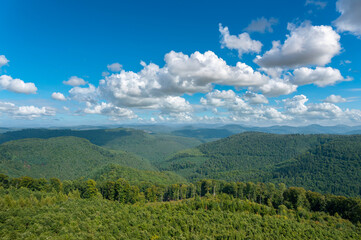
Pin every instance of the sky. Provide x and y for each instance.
(257, 63)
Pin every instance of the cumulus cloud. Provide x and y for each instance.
(296, 105)
(335, 99)
(203, 69)
(162, 89)
(25, 112)
(182, 74)
(297, 108)
(176, 104)
(320, 76)
(218, 98)
(254, 98)
(114, 67)
(320, 4)
(239, 109)
(16, 85)
(58, 96)
(305, 45)
(261, 25)
(3, 60)
(242, 43)
(115, 113)
(324, 110)
(276, 87)
(75, 81)
(88, 94)
(350, 19)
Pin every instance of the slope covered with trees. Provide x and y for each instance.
(326, 163)
(62, 157)
(333, 167)
(112, 172)
(154, 147)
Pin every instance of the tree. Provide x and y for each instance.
(56, 184)
(4, 181)
(296, 196)
(91, 189)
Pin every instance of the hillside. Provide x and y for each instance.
(113, 172)
(154, 147)
(61, 157)
(247, 152)
(204, 134)
(332, 167)
(210, 133)
(325, 163)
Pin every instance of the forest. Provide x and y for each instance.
(135, 184)
(86, 209)
(316, 162)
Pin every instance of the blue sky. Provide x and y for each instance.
(254, 62)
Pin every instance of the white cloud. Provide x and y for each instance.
(296, 107)
(58, 96)
(238, 109)
(115, 67)
(324, 110)
(31, 112)
(271, 113)
(182, 74)
(116, 113)
(80, 94)
(75, 81)
(261, 25)
(218, 98)
(320, 4)
(242, 43)
(350, 19)
(202, 69)
(3, 60)
(320, 76)
(305, 45)
(177, 104)
(25, 112)
(16, 85)
(6, 106)
(254, 98)
(335, 99)
(129, 89)
(276, 87)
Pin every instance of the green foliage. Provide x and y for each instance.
(153, 147)
(333, 167)
(61, 157)
(113, 172)
(324, 163)
(91, 191)
(205, 134)
(35, 215)
(267, 194)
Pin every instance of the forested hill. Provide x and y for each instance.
(154, 147)
(333, 167)
(326, 163)
(61, 157)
